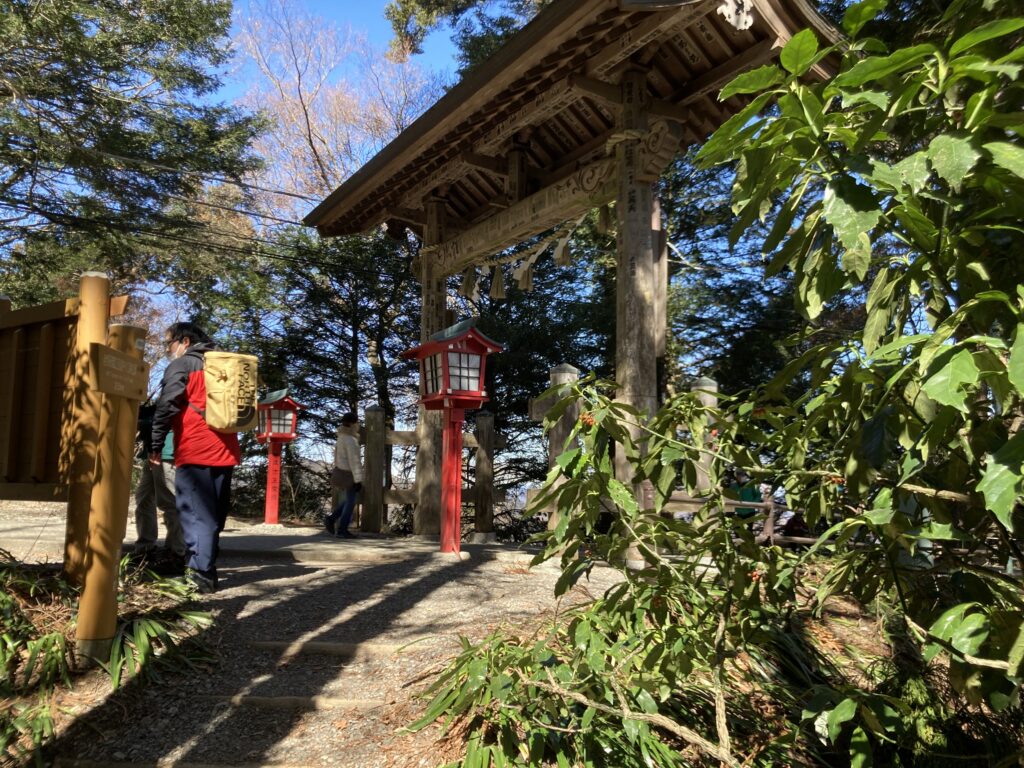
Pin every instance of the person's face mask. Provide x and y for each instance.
(175, 349)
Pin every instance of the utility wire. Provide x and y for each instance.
(159, 166)
(205, 245)
(193, 201)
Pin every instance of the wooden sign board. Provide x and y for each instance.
(119, 374)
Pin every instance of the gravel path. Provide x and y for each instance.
(315, 664)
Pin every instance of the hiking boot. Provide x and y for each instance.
(329, 527)
(204, 585)
(346, 535)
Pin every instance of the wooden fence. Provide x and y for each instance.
(376, 438)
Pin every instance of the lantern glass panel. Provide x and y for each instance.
(281, 421)
(432, 377)
(464, 371)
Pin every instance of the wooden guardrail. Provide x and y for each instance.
(376, 438)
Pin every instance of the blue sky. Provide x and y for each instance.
(367, 16)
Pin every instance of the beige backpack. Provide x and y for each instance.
(230, 380)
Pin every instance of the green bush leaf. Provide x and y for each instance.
(989, 31)
(850, 208)
(799, 52)
(914, 171)
(860, 749)
(1015, 367)
(957, 370)
(1000, 484)
(843, 713)
(952, 157)
(754, 81)
(859, 14)
(1008, 156)
(876, 67)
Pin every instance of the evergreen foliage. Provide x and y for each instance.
(105, 122)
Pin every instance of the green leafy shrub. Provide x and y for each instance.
(900, 182)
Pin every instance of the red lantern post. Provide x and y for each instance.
(279, 416)
(452, 380)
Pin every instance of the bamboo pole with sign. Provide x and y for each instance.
(122, 377)
(80, 439)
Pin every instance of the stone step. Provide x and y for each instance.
(347, 651)
(306, 703)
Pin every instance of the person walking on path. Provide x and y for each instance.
(347, 476)
(204, 459)
(156, 490)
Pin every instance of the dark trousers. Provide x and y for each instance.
(342, 514)
(204, 498)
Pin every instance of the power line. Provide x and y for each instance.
(147, 163)
(196, 201)
(205, 245)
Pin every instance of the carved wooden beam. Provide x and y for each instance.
(610, 94)
(409, 215)
(572, 161)
(495, 166)
(591, 186)
(713, 80)
(552, 100)
(646, 32)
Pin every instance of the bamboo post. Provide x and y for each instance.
(561, 375)
(83, 429)
(374, 517)
(483, 483)
(108, 515)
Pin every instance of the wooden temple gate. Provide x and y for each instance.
(585, 106)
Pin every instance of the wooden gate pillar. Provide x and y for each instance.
(108, 516)
(374, 516)
(94, 309)
(635, 277)
(483, 484)
(427, 515)
(707, 393)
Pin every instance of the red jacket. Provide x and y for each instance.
(182, 399)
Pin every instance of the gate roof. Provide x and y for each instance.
(552, 91)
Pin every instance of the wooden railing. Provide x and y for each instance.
(376, 437)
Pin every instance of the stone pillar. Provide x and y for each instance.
(563, 374)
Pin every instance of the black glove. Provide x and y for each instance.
(357, 487)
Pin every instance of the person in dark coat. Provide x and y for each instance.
(204, 459)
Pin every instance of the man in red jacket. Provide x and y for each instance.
(204, 459)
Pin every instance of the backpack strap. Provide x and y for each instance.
(197, 410)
